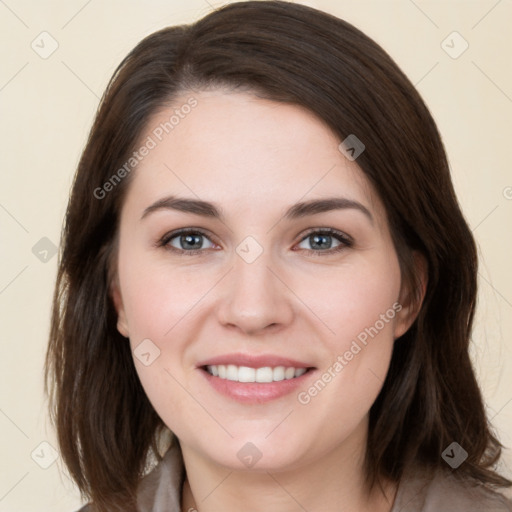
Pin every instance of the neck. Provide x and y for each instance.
(334, 481)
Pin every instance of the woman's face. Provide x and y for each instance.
(288, 268)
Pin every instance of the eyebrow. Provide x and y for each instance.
(297, 211)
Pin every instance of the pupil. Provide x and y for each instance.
(191, 241)
(319, 239)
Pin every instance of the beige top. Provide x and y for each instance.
(160, 491)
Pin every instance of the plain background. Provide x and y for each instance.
(47, 107)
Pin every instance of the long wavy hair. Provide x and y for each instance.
(107, 429)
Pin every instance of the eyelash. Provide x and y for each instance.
(345, 241)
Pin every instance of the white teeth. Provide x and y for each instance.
(289, 373)
(300, 371)
(231, 372)
(278, 373)
(246, 374)
(264, 374)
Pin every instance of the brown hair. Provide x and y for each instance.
(106, 426)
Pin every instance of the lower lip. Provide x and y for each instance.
(255, 392)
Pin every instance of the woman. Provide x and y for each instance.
(267, 285)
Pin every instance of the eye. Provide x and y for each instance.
(325, 240)
(189, 241)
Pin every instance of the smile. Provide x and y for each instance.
(261, 375)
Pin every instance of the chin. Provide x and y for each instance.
(255, 453)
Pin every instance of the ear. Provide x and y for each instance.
(411, 300)
(115, 293)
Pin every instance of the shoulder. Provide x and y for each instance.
(455, 495)
(443, 492)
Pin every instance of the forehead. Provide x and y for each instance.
(238, 149)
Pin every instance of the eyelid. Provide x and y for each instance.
(184, 231)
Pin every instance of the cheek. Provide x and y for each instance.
(360, 307)
(159, 304)
(157, 297)
(358, 299)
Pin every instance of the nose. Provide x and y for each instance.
(255, 298)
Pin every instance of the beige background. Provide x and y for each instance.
(47, 109)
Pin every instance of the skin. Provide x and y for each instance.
(255, 158)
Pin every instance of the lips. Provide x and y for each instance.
(254, 379)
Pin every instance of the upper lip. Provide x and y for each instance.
(254, 361)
